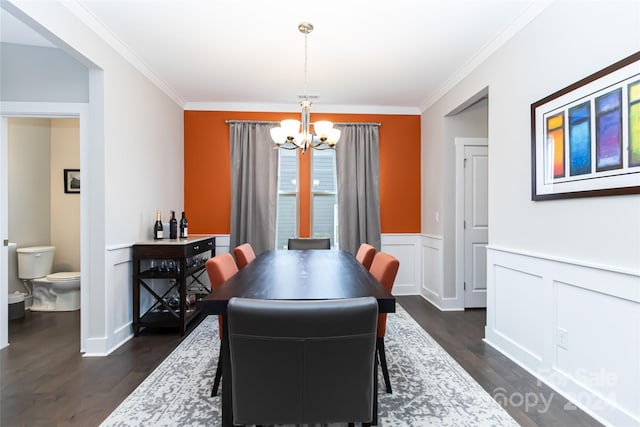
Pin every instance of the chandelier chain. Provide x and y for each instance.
(306, 79)
(294, 134)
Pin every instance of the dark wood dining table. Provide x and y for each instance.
(292, 275)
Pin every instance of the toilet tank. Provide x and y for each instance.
(35, 261)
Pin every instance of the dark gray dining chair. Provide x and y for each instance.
(302, 362)
(306, 243)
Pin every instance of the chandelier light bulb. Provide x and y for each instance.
(334, 136)
(322, 128)
(290, 127)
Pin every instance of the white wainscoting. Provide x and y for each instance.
(573, 325)
(118, 302)
(119, 298)
(431, 287)
(222, 243)
(119, 294)
(405, 247)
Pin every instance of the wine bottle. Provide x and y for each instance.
(183, 227)
(157, 227)
(173, 226)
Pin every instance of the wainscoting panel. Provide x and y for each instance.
(573, 325)
(517, 296)
(406, 248)
(610, 322)
(222, 243)
(118, 302)
(120, 279)
(119, 294)
(431, 286)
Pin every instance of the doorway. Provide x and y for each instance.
(41, 110)
(472, 225)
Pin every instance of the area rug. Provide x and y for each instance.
(429, 387)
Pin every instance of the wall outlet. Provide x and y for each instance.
(563, 338)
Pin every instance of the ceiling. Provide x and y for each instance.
(363, 56)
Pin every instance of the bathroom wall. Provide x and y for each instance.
(29, 154)
(40, 213)
(65, 207)
(29, 174)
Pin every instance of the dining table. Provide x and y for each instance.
(293, 275)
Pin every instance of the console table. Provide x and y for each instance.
(178, 263)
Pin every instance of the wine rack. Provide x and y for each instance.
(180, 265)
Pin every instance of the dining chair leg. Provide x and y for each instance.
(216, 381)
(374, 416)
(383, 363)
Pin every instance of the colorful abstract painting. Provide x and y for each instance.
(634, 123)
(586, 137)
(580, 139)
(609, 131)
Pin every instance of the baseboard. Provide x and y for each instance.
(99, 347)
(437, 303)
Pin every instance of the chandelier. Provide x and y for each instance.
(294, 134)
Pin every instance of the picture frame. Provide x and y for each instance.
(585, 138)
(72, 180)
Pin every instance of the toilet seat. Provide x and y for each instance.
(64, 276)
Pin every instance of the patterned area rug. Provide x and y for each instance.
(429, 387)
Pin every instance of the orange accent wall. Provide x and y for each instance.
(304, 195)
(207, 174)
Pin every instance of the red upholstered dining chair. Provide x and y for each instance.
(384, 268)
(365, 255)
(220, 268)
(244, 255)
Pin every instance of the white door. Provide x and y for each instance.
(476, 225)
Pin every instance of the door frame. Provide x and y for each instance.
(44, 110)
(460, 144)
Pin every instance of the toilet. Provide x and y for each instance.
(51, 291)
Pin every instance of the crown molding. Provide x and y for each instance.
(535, 8)
(83, 14)
(294, 108)
(90, 20)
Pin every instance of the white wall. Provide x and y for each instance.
(26, 70)
(132, 163)
(529, 299)
(470, 123)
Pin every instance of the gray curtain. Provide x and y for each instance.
(358, 173)
(254, 185)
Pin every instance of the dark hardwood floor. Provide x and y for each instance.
(46, 382)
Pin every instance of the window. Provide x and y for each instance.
(287, 209)
(322, 194)
(324, 202)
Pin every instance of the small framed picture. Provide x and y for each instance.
(72, 180)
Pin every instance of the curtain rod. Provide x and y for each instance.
(276, 122)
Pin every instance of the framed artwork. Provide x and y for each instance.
(585, 138)
(72, 180)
